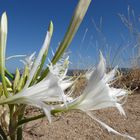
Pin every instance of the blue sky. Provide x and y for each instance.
(28, 22)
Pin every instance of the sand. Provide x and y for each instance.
(76, 125)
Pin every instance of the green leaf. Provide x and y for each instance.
(1, 90)
(23, 79)
(76, 20)
(16, 81)
(8, 83)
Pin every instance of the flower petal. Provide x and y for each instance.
(96, 75)
(14, 56)
(109, 129)
(38, 60)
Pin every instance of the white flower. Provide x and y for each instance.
(60, 70)
(48, 89)
(37, 61)
(27, 61)
(98, 94)
(36, 94)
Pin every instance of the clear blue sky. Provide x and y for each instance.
(28, 21)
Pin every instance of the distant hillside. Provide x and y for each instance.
(72, 72)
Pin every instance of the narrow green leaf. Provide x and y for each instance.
(1, 90)
(16, 80)
(76, 20)
(23, 79)
(9, 89)
(8, 83)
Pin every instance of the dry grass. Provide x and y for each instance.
(129, 80)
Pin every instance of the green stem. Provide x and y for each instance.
(12, 125)
(2, 134)
(20, 129)
(4, 83)
(21, 122)
(19, 133)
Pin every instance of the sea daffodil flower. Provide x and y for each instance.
(48, 89)
(37, 94)
(99, 95)
(60, 69)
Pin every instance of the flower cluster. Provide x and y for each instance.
(97, 94)
(38, 87)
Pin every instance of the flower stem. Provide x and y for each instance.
(19, 133)
(12, 123)
(20, 129)
(2, 134)
(21, 122)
